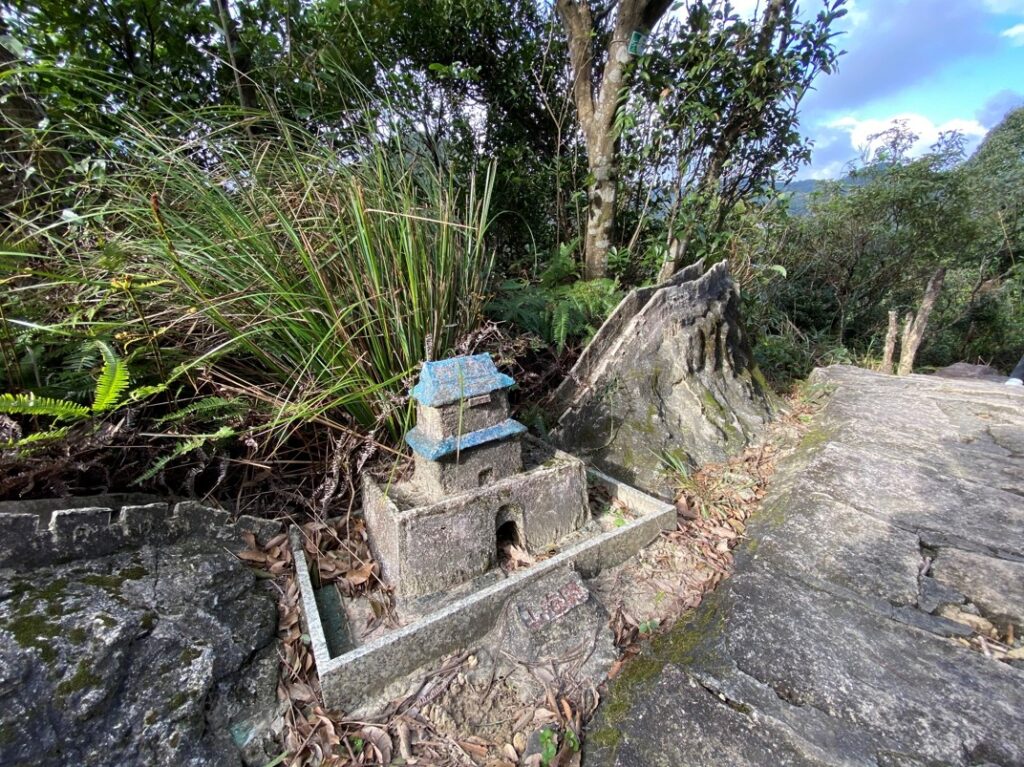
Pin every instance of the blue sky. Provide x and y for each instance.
(938, 64)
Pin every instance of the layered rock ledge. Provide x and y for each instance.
(133, 637)
(669, 380)
(832, 644)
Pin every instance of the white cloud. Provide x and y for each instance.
(856, 14)
(1005, 6)
(1015, 34)
(832, 170)
(861, 131)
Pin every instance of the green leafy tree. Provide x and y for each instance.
(714, 120)
(708, 113)
(153, 51)
(870, 243)
(985, 318)
(995, 178)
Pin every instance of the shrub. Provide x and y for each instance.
(557, 307)
(304, 272)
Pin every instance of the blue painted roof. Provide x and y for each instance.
(450, 380)
(433, 449)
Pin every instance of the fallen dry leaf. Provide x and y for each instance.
(474, 749)
(544, 715)
(255, 557)
(360, 575)
(380, 740)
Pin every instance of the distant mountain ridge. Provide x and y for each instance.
(800, 191)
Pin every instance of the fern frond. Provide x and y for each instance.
(561, 267)
(113, 381)
(208, 407)
(37, 440)
(560, 313)
(144, 392)
(81, 357)
(30, 404)
(186, 446)
(560, 324)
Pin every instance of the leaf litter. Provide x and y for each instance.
(456, 716)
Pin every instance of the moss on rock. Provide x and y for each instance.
(113, 581)
(677, 646)
(82, 679)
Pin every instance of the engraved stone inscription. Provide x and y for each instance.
(553, 605)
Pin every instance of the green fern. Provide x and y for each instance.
(109, 393)
(144, 392)
(562, 266)
(560, 314)
(184, 447)
(81, 357)
(112, 383)
(209, 407)
(30, 404)
(40, 439)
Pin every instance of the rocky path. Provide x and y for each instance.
(877, 607)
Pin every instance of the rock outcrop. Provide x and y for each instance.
(154, 654)
(859, 627)
(668, 381)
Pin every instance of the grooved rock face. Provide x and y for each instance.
(673, 383)
(160, 656)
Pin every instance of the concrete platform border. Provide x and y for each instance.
(366, 670)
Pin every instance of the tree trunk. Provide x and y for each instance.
(600, 218)
(890, 344)
(673, 259)
(913, 332)
(238, 57)
(598, 107)
(908, 322)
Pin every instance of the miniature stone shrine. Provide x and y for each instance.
(479, 484)
(469, 491)
(464, 438)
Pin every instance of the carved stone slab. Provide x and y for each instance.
(554, 604)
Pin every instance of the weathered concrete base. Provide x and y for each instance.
(426, 547)
(359, 673)
(828, 646)
(42, 532)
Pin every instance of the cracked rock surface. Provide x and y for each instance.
(159, 656)
(833, 643)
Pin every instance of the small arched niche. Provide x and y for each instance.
(508, 533)
(508, 526)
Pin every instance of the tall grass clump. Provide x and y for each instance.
(307, 272)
